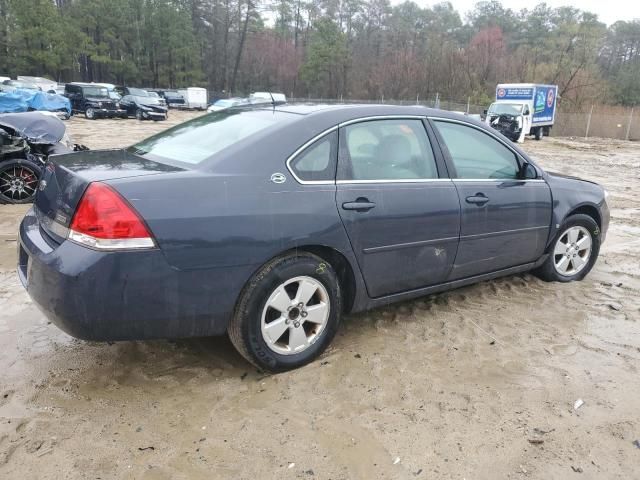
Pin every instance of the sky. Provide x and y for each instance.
(608, 11)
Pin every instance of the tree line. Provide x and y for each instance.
(364, 49)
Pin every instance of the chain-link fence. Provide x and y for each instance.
(605, 121)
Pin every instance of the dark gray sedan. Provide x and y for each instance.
(271, 223)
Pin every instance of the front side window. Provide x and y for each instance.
(317, 162)
(386, 150)
(477, 155)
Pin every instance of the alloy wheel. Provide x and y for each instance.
(18, 183)
(295, 315)
(572, 251)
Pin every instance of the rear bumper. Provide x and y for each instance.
(96, 295)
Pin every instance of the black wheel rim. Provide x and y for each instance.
(18, 183)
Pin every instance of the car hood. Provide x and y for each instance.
(569, 177)
(34, 127)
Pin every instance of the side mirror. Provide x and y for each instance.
(529, 172)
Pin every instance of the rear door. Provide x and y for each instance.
(400, 211)
(505, 218)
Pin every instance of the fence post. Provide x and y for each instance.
(626, 137)
(468, 103)
(417, 99)
(437, 104)
(382, 98)
(586, 134)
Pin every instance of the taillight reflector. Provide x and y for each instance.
(104, 220)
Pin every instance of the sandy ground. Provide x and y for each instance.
(477, 383)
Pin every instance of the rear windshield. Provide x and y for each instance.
(199, 139)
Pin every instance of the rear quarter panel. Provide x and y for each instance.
(208, 221)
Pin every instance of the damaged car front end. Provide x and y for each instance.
(26, 142)
(507, 124)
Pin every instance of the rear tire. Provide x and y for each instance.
(274, 326)
(568, 261)
(139, 115)
(538, 133)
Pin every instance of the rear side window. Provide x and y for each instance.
(386, 150)
(318, 161)
(477, 155)
(198, 139)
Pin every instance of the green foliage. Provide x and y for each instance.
(329, 48)
(325, 57)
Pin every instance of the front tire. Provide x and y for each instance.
(288, 312)
(90, 113)
(573, 252)
(18, 181)
(139, 115)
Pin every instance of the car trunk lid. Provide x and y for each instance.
(66, 177)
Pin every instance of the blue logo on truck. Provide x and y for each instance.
(544, 104)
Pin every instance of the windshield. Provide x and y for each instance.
(505, 108)
(224, 103)
(95, 91)
(200, 138)
(153, 94)
(137, 92)
(147, 100)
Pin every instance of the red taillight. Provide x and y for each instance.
(105, 220)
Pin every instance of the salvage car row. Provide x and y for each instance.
(95, 100)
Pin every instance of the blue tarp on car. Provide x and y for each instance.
(51, 102)
(13, 102)
(23, 100)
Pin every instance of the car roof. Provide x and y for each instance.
(333, 114)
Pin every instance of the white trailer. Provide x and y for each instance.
(195, 97)
(523, 109)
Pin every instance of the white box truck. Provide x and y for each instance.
(194, 97)
(523, 109)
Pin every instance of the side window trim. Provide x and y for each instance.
(435, 150)
(449, 161)
(301, 149)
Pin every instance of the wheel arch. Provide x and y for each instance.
(589, 210)
(340, 263)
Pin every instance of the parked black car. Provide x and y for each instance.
(138, 103)
(270, 223)
(92, 100)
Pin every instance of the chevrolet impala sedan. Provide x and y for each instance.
(270, 223)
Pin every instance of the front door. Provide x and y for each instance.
(505, 218)
(401, 217)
